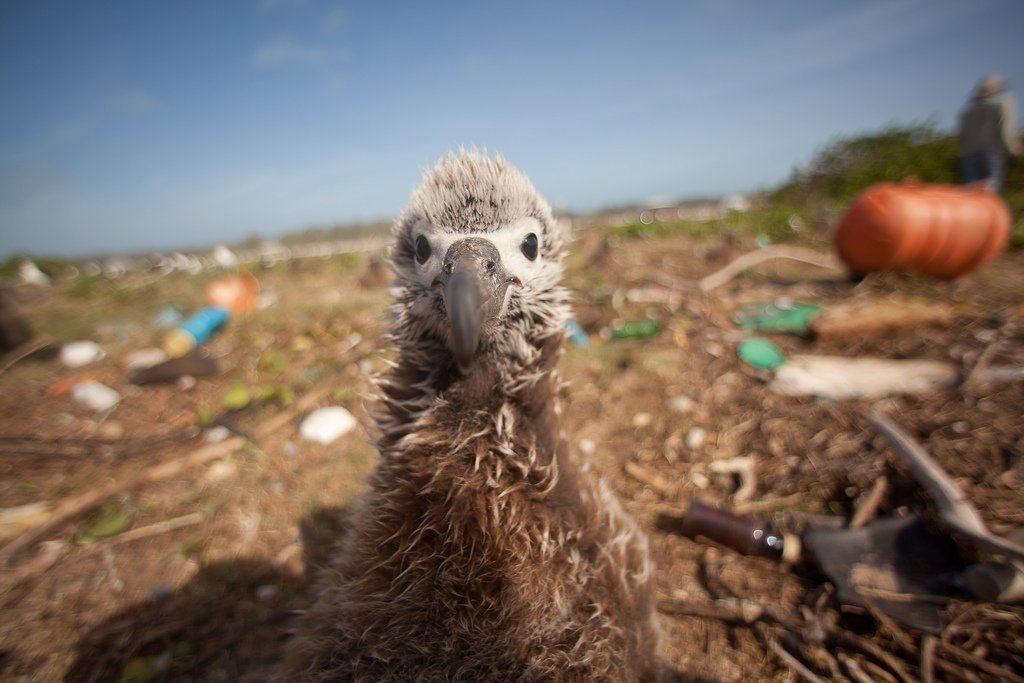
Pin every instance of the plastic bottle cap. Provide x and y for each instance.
(178, 342)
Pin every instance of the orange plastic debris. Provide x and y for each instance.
(237, 293)
(942, 231)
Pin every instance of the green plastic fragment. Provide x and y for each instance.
(777, 316)
(761, 353)
(637, 329)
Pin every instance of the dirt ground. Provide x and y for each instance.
(214, 598)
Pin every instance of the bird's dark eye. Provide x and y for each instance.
(422, 249)
(529, 246)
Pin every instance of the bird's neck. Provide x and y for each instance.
(425, 379)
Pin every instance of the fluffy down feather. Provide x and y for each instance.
(482, 550)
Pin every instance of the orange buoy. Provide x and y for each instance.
(942, 231)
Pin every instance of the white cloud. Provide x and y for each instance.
(284, 52)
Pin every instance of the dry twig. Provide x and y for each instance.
(980, 663)
(976, 375)
(23, 351)
(163, 527)
(793, 663)
(928, 644)
(652, 479)
(955, 509)
(751, 259)
(854, 668)
(75, 506)
(748, 612)
(867, 505)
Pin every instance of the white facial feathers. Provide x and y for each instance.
(507, 240)
(471, 195)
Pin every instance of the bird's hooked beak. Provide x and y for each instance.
(474, 285)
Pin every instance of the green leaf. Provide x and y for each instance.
(237, 397)
(204, 416)
(343, 394)
(279, 394)
(109, 521)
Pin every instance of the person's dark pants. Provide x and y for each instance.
(987, 166)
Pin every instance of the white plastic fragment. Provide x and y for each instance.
(641, 420)
(265, 300)
(224, 257)
(681, 404)
(30, 274)
(95, 395)
(837, 378)
(144, 358)
(217, 434)
(326, 424)
(746, 468)
(695, 438)
(16, 519)
(110, 430)
(220, 471)
(78, 353)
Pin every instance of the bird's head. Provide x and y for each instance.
(478, 258)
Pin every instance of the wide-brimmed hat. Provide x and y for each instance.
(989, 85)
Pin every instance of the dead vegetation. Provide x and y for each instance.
(160, 555)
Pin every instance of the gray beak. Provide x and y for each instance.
(473, 283)
(462, 301)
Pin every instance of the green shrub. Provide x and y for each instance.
(847, 166)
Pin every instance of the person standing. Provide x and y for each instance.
(987, 132)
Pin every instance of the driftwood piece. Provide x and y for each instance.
(753, 258)
(72, 507)
(857, 319)
(838, 377)
(955, 509)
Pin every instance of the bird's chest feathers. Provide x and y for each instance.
(495, 472)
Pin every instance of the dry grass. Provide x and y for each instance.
(214, 600)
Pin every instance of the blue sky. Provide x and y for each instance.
(134, 125)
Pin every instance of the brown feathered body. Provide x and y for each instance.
(482, 550)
